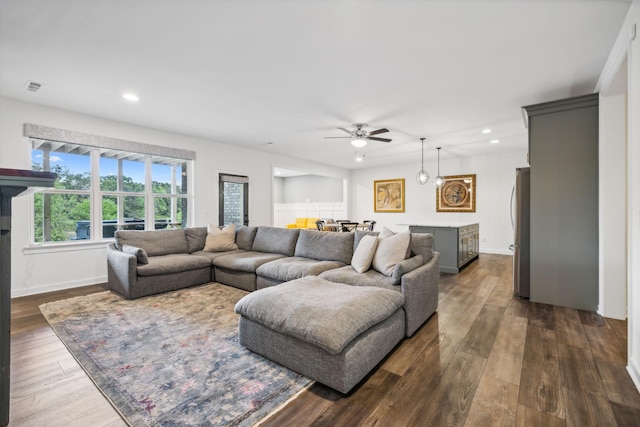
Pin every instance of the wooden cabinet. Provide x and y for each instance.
(457, 245)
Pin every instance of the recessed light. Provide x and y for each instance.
(130, 97)
(358, 159)
(494, 141)
(486, 130)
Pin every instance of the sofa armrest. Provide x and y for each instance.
(420, 290)
(121, 270)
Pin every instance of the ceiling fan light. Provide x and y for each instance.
(359, 142)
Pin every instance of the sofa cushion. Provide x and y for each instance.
(407, 265)
(220, 240)
(285, 269)
(369, 278)
(325, 246)
(213, 255)
(422, 244)
(245, 236)
(139, 253)
(166, 264)
(154, 242)
(246, 262)
(363, 255)
(196, 238)
(325, 314)
(392, 248)
(276, 240)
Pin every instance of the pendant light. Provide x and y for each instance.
(439, 179)
(423, 176)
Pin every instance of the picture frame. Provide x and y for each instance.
(388, 195)
(457, 194)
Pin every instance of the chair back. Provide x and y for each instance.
(371, 223)
(348, 226)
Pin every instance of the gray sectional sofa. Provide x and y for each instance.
(143, 263)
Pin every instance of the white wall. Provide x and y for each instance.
(495, 176)
(311, 188)
(35, 270)
(613, 194)
(633, 150)
(627, 47)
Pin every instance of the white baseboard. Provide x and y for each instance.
(496, 251)
(33, 290)
(635, 376)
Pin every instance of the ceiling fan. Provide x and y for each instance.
(359, 136)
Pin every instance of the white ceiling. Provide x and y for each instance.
(279, 76)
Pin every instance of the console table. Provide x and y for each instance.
(12, 183)
(458, 245)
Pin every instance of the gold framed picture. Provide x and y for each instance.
(457, 194)
(388, 195)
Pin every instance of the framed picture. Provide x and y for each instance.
(457, 194)
(388, 195)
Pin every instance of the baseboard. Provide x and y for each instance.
(496, 251)
(33, 290)
(635, 376)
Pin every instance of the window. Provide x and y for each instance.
(234, 199)
(100, 190)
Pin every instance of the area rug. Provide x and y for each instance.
(172, 359)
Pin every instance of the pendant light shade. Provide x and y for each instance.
(423, 176)
(439, 179)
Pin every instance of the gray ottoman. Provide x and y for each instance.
(330, 332)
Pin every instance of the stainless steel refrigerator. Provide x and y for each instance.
(520, 222)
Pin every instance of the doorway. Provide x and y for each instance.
(234, 199)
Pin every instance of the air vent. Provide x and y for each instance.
(32, 86)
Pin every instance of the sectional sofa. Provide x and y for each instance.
(143, 263)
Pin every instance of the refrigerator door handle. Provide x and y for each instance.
(513, 193)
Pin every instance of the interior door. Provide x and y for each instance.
(234, 199)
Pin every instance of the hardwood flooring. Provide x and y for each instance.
(485, 359)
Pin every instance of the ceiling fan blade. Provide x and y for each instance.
(379, 131)
(374, 138)
(347, 131)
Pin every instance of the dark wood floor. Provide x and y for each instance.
(486, 358)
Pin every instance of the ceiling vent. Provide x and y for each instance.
(32, 86)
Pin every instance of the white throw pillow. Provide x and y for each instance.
(392, 248)
(363, 256)
(221, 240)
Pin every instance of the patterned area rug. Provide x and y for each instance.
(172, 359)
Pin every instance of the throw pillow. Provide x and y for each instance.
(363, 256)
(139, 253)
(221, 240)
(391, 250)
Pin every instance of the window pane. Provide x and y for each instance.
(233, 203)
(169, 175)
(122, 213)
(169, 212)
(71, 162)
(61, 217)
(119, 173)
(133, 208)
